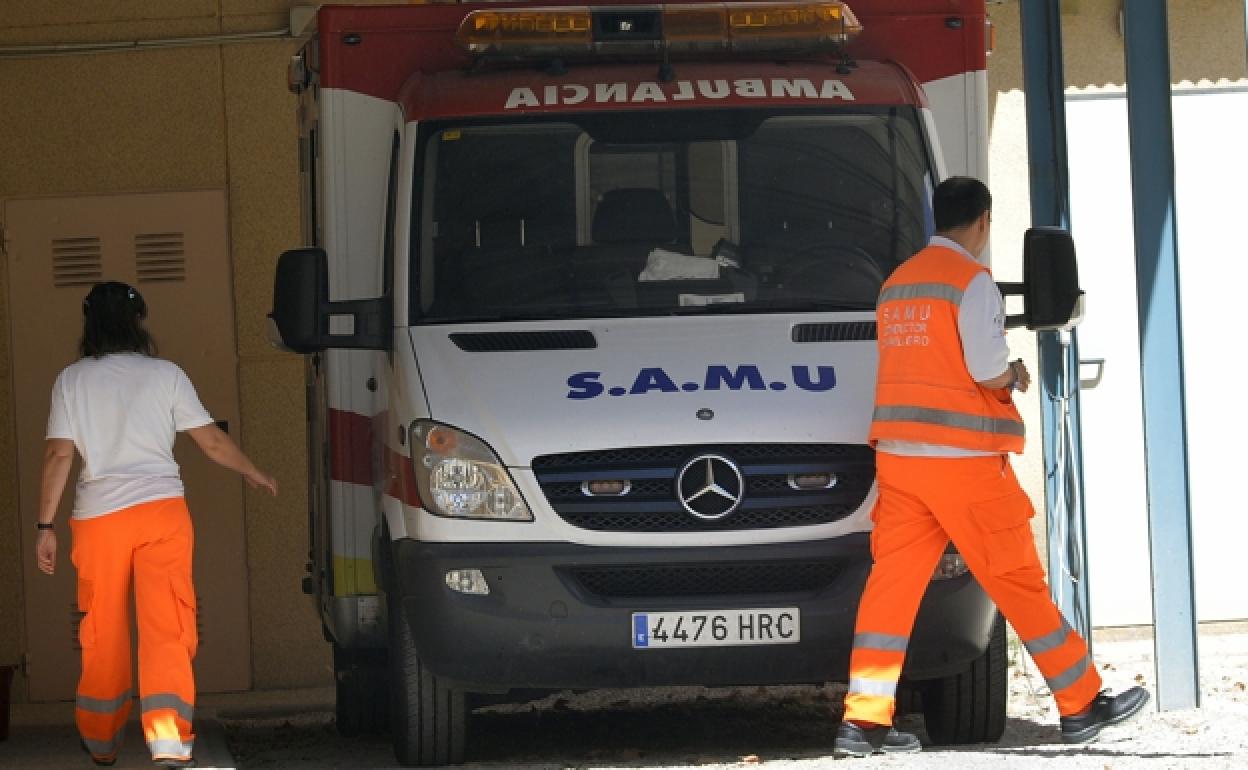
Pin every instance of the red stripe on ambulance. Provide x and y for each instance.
(401, 479)
(352, 449)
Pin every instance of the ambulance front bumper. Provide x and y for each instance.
(562, 616)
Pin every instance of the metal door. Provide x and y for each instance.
(174, 248)
(1210, 159)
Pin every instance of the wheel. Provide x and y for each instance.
(970, 707)
(428, 719)
(360, 705)
(909, 698)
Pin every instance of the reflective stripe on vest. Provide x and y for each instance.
(922, 291)
(948, 419)
(924, 392)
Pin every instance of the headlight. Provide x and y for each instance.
(460, 476)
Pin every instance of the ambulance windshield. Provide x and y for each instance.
(662, 213)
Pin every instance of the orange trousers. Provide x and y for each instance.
(153, 542)
(977, 502)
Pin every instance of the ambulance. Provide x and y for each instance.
(587, 301)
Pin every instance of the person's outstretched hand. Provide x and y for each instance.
(258, 479)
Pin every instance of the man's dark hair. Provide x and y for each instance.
(958, 202)
(112, 321)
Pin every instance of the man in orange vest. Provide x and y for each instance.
(943, 426)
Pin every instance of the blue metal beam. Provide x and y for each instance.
(1043, 87)
(1161, 352)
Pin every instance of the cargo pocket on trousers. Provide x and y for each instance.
(184, 599)
(1006, 524)
(86, 623)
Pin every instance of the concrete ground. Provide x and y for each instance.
(42, 735)
(789, 728)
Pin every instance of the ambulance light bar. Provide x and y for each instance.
(580, 30)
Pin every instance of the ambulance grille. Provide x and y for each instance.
(670, 580)
(76, 262)
(842, 331)
(651, 503)
(160, 257)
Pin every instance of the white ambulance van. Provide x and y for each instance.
(587, 298)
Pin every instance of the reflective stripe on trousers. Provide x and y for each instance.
(165, 748)
(1061, 655)
(875, 666)
(166, 718)
(168, 701)
(105, 749)
(101, 722)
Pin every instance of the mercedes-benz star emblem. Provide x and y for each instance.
(710, 486)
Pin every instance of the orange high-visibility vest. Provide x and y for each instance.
(924, 392)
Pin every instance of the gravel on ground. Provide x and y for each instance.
(789, 728)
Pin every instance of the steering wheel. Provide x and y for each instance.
(831, 267)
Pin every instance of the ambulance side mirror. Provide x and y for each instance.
(305, 321)
(1052, 299)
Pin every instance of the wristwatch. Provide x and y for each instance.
(43, 525)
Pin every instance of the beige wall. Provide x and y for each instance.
(1206, 43)
(219, 116)
(201, 117)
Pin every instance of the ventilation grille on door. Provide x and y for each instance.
(160, 257)
(76, 261)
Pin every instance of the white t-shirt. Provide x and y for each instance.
(981, 324)
(122, 412)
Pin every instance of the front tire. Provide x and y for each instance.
(970, 707)
(429, 720)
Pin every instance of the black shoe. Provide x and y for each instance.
(854, 741)
(1106, 710)
(174, 762)
(100, 761)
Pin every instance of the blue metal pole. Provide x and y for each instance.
(1161, 352)
(1044, 87)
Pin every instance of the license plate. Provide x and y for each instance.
(719, 628)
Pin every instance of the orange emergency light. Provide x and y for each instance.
(581, 30)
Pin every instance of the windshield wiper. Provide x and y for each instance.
(544, 314)
(486, 318)
(718, 308)
(774, 306)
